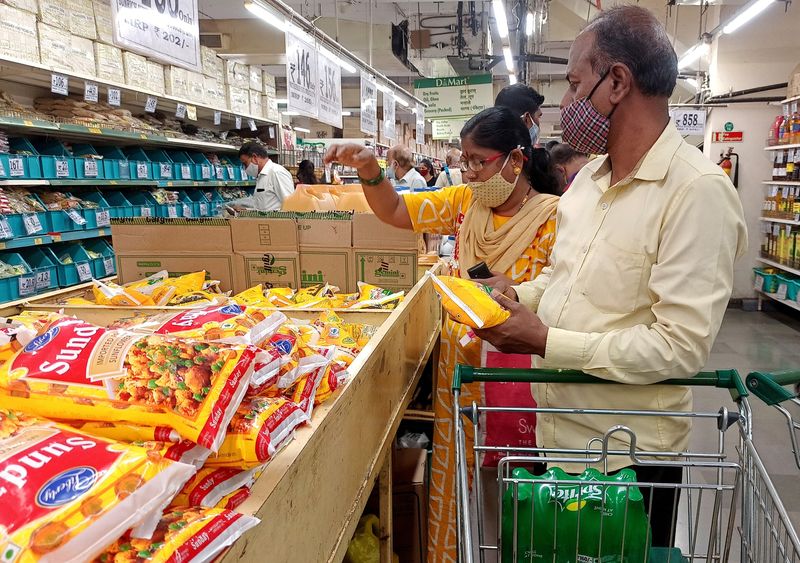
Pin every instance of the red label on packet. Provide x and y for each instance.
(196, 318)
(204, 537)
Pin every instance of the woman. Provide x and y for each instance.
(425, 169)
(305, 173)
(504, 216)
(567, 163)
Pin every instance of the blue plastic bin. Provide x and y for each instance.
(10, 286)
(94, 217)
(69, 273)
(199, 203)
(115, 163)
(184, 167)
(119, 205)
(163, 167)
(138, 164)
(143, 204)
(20, 167)
(105, 265)
(43, 266)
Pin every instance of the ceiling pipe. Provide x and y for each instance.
(757, 90)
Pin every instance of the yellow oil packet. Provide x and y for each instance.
(469, 302)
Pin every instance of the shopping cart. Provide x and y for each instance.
(724, 490)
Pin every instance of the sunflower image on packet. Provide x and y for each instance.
(65, 495)
(469, 302)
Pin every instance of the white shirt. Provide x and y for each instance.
(273, 185)
(413, 180)
(455, 176)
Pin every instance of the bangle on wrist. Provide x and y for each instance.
(374, 181)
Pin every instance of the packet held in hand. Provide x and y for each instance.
(469, 302)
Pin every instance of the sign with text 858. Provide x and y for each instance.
(689, 121)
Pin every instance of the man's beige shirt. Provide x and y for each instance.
(640, 278)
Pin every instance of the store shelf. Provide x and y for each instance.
(100, 183)
(783, 221)
(780, 183)
(782, 147)
(779, 266)
(793, 304)
(790, 100)
(81, 235)
(39, 240)
(199, 184)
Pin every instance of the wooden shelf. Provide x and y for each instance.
(419, 415)
(779, 266)
(783, 221)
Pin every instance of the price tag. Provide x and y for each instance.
(124, 170)
(172, 211)
(84, 271)
(165, 169)
(219, 172)
(91, 93)
(180, 111)
(2, 171)
(32, 224)
(244, 174)
(151, 104)
(186, 172)
(191, 113)
(141, 170)
(27, 285)
(5, 229)
(689, 121)
(43, 280)
(59, 84)
(782, 289)
(217, 118)
(252, 124)
(108, 265)
(794, 106)
(187, 211)
(103, 217)
(16, 167)
(75, 216)
(760, 283)
(145, 212)
(231, 172)
(204, 210)
(90, 168)
(62, 169)
(114, 97)
(205, 172)
(238, 122)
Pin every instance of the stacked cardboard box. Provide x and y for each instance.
(155, 77)
(256, 79)
(237, 74)
(81, 56)
(256, 104)
(104, 21)
(54, 47)
(326, 251)
(19, 37)
(176, 81)
(55, 13)
(266, 252)
(410, 504)
(195, 85)
(238, 100)
(109, 63)
(136, 74)
(213, 66)
(31, 6)
(82, 19)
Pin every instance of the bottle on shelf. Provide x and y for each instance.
(786, 129)
(794, 128)
(775, 131)
(789, 164)
(796, 175)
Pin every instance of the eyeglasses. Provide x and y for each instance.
(477, 165)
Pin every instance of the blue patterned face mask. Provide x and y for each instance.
(534, 131)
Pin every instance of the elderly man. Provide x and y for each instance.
(400, 170)
(451, 175)
(642, 268)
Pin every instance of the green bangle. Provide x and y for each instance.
(375, 181)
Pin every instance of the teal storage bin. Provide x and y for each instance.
(768, 281)
(20, 167)
(61, 222)
(10, 287)
(791, 286)
(99, 217)
(143, 204)
(24, 227)
(200, 203)
(163, 167)
(79, 267)
(189, 208)
(170, 210)
(87, 165)
(56, 160)
(105, 265)
(119, 206)
(43, 266)
(183, 167)
(139, 164)
(215, 201)
(202, 167)
(115, 163)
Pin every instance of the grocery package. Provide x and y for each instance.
(189, 290)
(598, 518)
(66, 495)
(11, 270)
(58, 201)
(19, 200)
(469, 302)
(188, 535)
(235, 499)
(125, 432)
(184, 451)
(90, 113)
(75, 370)
(210, 485)
(320, 296)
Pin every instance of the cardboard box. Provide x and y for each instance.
(238, 100)
(81, 56)
(135, 70)
(390, 269)
(327, 232)
(256, 106)
(155, 77)
(256, 79)
(176, 81)
(327, 265)
(54, 47)
(794, 83)
(237, 74)
(266, 252)
(215, 92)
(409, 504)
(269, 82)
(81, 18)
(195, 82)
(103, 21)
(272, 269)
(371, 232)
(55, 13)
(270, 105)
(31, 6)
(213, 66)
(19, 37)
(109, 63)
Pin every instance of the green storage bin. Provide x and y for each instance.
(17, 286)
(72, 263)
(43, 267)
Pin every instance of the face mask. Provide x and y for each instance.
(584, 128)
(496, 190)
(252, 169)
(390, 173)
(534, 131)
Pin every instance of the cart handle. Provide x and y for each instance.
(724, 379)
(768, 386)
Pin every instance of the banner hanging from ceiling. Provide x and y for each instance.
(369, 105)
(420, 124)
(455, 96)
(330, 91)
(301, 74)
(389, 129)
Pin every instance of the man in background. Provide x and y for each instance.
(400, 170)
(525, 102)
(451, 175)
(273, 182)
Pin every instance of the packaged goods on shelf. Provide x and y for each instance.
(104, 21)
(781, 243)
(212, 64)
(3, 135)
(81, 18)
(269, 83)
(155, 77)
(195, 84)
(237, 74)
(109, 63)
(270, 106)
(176, 81)
(54, 12)
(135, 67)
(9, 106)
(31, 6)
(215, 94)
(256, 79)
(81, 56)
(238, 100)
(19, 200)
(19, 37)
(89, 113)
(211, 485)
(256, 107)
(54, 47)
(11, 270)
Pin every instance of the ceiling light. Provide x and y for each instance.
(338, 60)
(693, 55)
(500, 18)
(257, 9)
(752, 10)
(347, 113)
(401, 101)
(512, 78)
(282, 101)
(529, 24)
(302, 130)
(509, 59)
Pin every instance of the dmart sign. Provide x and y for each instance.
(456, 96)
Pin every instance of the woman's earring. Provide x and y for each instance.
(517, 170)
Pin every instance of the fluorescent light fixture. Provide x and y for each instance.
(693, 55)
(280, 101)
(529, 24)
(500, 18)
(751, 11)
(257, 9)
(290, 113)
(302, 130)
(512, 78)
(338, 60)
(509, 59)
(347, 113)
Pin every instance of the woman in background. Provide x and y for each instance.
(425, 170)
(306, 174)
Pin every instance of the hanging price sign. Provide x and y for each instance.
(5, 229)
(186, 172)
(103, 217)
(62, 169)
(114, 97)
(90, 168)
(75, 217)
(689, 121)
(151, 104)
(187, 211)
(238, 122)
(43, 280)
(252, 124)
(145, 212)
(27, 285)
(165, 170)
(108, 265)
(205, 172)
(16, 167)
(59, 84)
(172, 212)
(191, 113)
(217, 118)
(204, 210)
(141, 170)
(32, 224)
(84, 271)
(180, 111)
(91, 93)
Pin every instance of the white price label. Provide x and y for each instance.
(186, 172)
(219, 172)
(782, 289)
(62, 169)
(172, 212)
(32, 224)
(205, 172)
(759, 283)
(146, 212)
(91, 93)
(217, 118)
(90, 168)
(238, 121)
(689, 121)
(187, 211)
(252, 124)
(114, 97)
(141, 170)
(124, 170)
(191, 113)
(180, 111)
(244, 174)
(59, 84)
(204, 210)
(108, 265)
(2, 170)
(43, 280)
(16, 167)
(103, 217)
(75, 216)
(151, 104)
(84, 271)
(165, 170)
(27, 285)
(231, 172)
(5, 229)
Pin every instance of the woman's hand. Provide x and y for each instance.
(354, 155)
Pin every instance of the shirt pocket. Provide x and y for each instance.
(612, 278)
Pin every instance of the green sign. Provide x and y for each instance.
(729, 126)
(455, 96)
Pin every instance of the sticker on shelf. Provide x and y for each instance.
(2, 171)
(91, 92)
(62, 169)
(187, 211)
(84, 271)
(204, 210)
(103, 218)
(114, 97)
(231, 172)
(252, 124)
(205, 172)
(186, 172)
(75, 216)
(760, 283)
(180, 111)
(145, 212)
(219, 172)
(59, 84)
(6, 232)
(32, 224)
(191, 113)
(90, 168)
(782, 289)
(16, 167)
(217, 118)
(238, 121)
(151, 104)
(165, 170)
(108, 265)
(27, 285)
(141, 170)
(172, 212)
(43, 280)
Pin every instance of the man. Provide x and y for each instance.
(642, 268)
(400, 170)
(525, 102)
(273, 182)
(567, 162)
(451, 175)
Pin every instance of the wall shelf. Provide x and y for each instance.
(49, 238)
(793, 304)
(779, 266)
(780, 183)
(782, 147)
(783, 221)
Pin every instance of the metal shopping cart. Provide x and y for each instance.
(727, 507)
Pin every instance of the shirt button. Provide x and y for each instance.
(604, 206)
